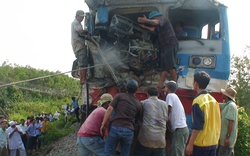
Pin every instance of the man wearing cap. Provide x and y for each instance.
(78, 44)
(15, 140)
(89, 139)
(167, 40)
(229, 123)
(3, 138)
(127, 109)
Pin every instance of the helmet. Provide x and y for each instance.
(154, 14)
(105, 98)
(132, 85)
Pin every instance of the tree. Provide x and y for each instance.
(34, 87)
(240, 78)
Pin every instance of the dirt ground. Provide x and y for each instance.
(65, 146)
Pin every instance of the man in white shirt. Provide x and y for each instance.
(177, 119)
(15, 141)
(23, 126)
(78, 44)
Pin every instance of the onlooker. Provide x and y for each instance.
(23, 136)
(42, 115)
(78, 44)
(56, 115)
(1, 118)
(167, 40)
(45, 124)
(76, 108)
(179, 29)
(67, 112)
(38, 126)
(3, 138)
(127, 109)
(177, 120)
(50, 117)
(15, 140)
(151, 138)
(229, 123)
(206, 120)
(89, 139)
(31, 135)
(27, 121)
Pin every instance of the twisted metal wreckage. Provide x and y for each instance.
(128, 53)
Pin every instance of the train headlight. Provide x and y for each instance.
(202, 61)
(196, 61)
(207, 61)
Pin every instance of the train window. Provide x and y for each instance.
(211, 31)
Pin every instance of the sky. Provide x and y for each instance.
(37, 32)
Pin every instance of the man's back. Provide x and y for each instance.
(91, 127)
(75, 104)
(210, 129)
(177, 116)
(166, 33)
(127, 107)
(153, 129)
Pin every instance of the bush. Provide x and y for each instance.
(242, 147)
(56, 130)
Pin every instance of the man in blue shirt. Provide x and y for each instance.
(76, 108)
(179, 29)
(38, 126)
(31, 135)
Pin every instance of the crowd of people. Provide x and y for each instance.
(23, 138)
(131, 127)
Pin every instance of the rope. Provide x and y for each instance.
(47, 76)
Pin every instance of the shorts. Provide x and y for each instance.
(82, 57)
(168, 57)
(225, 151)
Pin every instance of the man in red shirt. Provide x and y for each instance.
(89, 139)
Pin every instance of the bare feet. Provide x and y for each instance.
(160, 85)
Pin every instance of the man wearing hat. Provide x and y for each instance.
(89, 139)
(15, 140)
(78, 44)
(229, 123)
(167, 40)
(3, 138)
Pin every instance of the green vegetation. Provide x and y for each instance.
(240, 80)
(34, 97)
(243, 140)
(57, 129)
